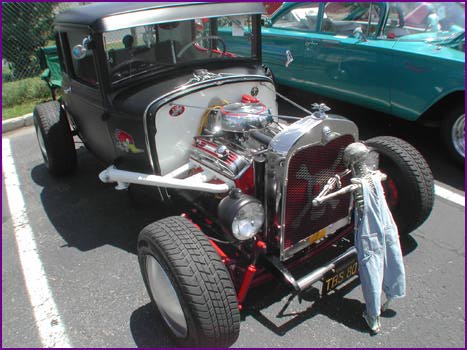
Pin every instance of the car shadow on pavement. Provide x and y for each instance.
(408, 244)
(88, 213)
(148, 330)
(279, 309)
(299, 308)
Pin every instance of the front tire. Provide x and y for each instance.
(409, 188)
(453, 133)
(188, 284)
(55, 138)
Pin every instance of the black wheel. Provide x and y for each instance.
(55, 138)
(453, 133)
(188, 284)
(409, 188)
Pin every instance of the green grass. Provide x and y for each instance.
(19, 110)
(20, 97)
(7, 74)
(25, 90)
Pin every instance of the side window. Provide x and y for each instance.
(304, 17)
(83, 67)
(407, 18)
(342, 18)
(394, 27)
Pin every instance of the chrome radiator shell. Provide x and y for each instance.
(305, 133)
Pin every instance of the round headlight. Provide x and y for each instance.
(248, 221)
(241, 215)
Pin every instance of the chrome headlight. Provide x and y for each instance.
(241, 214)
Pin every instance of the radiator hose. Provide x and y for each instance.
(260, 137)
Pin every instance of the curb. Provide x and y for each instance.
(16, 123)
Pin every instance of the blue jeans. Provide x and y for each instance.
(378, 250)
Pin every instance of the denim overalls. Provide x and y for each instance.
(378, 249)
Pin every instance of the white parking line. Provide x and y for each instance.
(449, 195)
(48, 322)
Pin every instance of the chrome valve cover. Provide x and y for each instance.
(221, 156)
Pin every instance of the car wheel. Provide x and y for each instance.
(453, 133)
(188, 284)
(55, 138)
(409, 187)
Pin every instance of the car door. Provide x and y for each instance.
(283, 42)
(82, 97)
(345, 64)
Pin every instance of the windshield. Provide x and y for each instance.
(425, 21)
(135, 51)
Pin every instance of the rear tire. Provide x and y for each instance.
(410, 186)
(453, 133)
(55, 138)
(188, 284)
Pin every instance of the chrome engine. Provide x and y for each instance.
(233, 135)
(300, 158)
(239, 118)
(222, 156)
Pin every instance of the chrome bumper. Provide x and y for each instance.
(315, 275)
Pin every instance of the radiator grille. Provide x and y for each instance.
(308, 172)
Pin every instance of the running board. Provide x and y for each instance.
(314, 276)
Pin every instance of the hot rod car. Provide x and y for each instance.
(160, 92)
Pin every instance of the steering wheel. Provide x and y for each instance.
(137, 62)
(197, 40)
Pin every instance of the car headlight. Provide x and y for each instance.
(242, 214)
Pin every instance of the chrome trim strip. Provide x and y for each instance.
(174, 94)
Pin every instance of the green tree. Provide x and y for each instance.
(26, 26)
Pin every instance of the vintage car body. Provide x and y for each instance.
(258, 193)
(401, 67)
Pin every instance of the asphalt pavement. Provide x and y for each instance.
(85, 234)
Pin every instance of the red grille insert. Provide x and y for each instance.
(309, 170)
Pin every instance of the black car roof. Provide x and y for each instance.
(108, 16)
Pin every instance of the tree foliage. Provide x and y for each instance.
(26, 27)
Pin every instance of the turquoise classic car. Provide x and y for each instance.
(405, 59)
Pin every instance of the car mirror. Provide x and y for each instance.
(265, 21)
(358, 34)
(79, 51)
(433, 22)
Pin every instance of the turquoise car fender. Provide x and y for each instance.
(423, 74)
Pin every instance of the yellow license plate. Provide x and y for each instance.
(340, 275)
(315, 237)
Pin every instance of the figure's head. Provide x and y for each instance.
(355, 153)
(128, 41)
